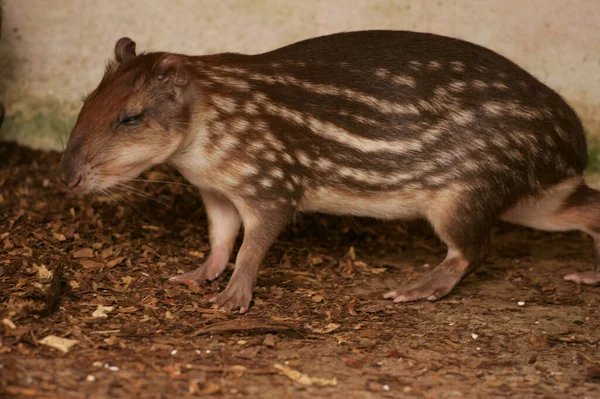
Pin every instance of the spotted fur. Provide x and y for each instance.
(388, 124)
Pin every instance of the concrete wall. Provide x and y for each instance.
(53, 51)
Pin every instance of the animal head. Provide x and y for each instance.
(137, 117)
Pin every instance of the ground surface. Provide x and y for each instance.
(512, 329)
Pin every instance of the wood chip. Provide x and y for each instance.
(62, 344)
(84, 253)
(305, 379)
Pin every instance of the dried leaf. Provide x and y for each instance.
(325, 330)
(43, 272)
(115, 262)
(317, 298)
(84, 253)
(90, 264)
(305, 379)
(101, 311)
(62, 344)
(8, 323)
(269, 341)
(199, 255)
(208, 388)
(59, 236)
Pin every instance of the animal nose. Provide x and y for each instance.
(71, 180)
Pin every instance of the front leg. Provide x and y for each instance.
(224, 225)
(261, 229)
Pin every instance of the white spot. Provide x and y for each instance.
(474, 336)
(235, 83)
(500, 85)
(382, 73)
(521, 303)
(463, 117)
(274, 141)
(230, 69)
(303, 158)
(434, 66)
(457, 66)
(405, 80)
(240, 124)
(256, 146)
(270, 156)
(247, 169)
(480, 84)
(346, 172)
(250, 108)
(288, 158)
(494, 108)
(324, 163)
(90, 378)
(229, 180)
(457, 85)
(415, 65)
(265, 182)
(259, 98)
(228, 142)
(277, 173)
(225, 104)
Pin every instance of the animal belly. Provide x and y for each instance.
(403, 204)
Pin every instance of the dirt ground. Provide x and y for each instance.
(94, 272)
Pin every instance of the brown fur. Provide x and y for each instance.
(389, 124)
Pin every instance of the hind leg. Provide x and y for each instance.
(571, 205)
(582, 211)
(467, 238)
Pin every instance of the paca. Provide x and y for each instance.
(384, 124)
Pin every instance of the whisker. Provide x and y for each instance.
(128, 202)
(62, 137)
(97, 151)
(131, 204)
(162, 182)
(103, 162)
(140, 193)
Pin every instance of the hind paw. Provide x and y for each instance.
(589, 277)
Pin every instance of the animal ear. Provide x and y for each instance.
(170, 68)
(124, 49)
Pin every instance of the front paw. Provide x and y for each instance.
(235, 296)
(431, 287)
(196, 277)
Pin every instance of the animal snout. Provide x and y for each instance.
(70, 178)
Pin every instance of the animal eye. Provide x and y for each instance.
(129, 120)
